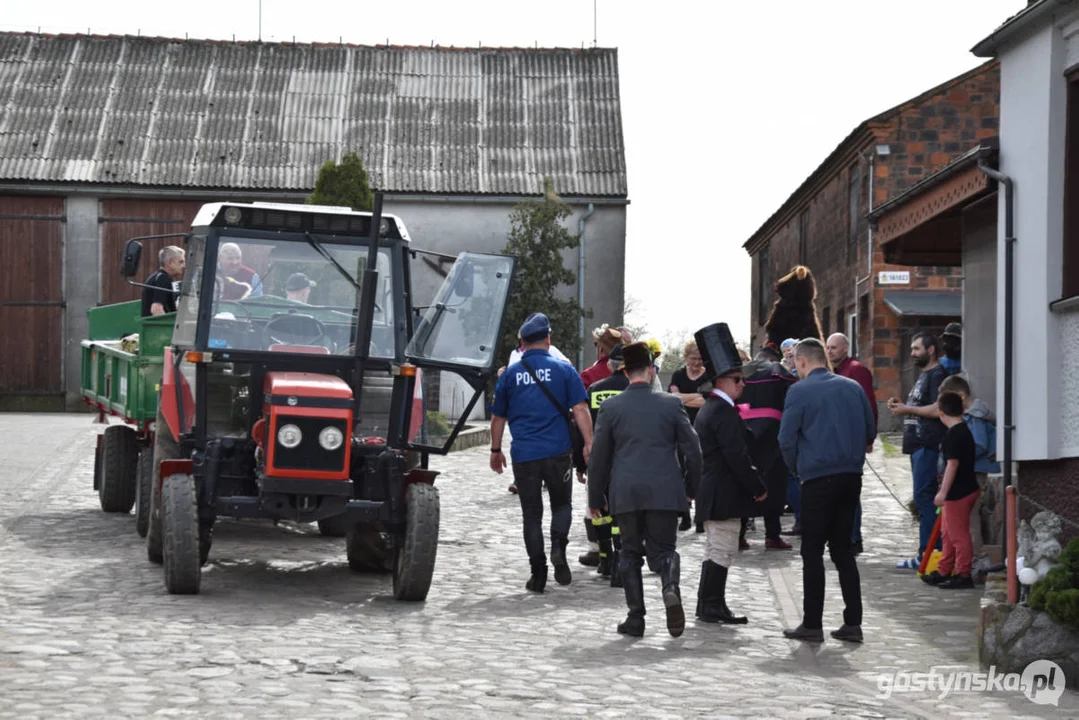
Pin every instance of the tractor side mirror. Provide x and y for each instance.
(129, 265)
(465, 280)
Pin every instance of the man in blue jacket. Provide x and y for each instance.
(824, 435)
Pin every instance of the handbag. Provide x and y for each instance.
(575, 436)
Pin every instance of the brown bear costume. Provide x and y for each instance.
(794, 313)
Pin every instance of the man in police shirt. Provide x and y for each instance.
(542, 447)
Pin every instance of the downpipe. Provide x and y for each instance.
(580, 280)
(1009, 329)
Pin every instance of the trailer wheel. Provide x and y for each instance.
(367, 550)
(336, 526)
(164, 448)
(144, 478)
(97, 466)
(181, 533)
(415, 565)
(119, 455)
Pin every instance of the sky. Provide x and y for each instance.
(726, 106)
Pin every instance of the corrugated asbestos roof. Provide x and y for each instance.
(189, 113)
(925, 303)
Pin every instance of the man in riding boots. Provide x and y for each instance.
(604, 529)
(731, 488)
(634, 472)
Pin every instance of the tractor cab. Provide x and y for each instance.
(299, 381)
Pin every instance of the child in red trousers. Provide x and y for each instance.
(958, 493)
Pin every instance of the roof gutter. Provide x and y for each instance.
(1030, 17)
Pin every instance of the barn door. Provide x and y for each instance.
(31, 303)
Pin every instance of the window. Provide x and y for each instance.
(1070, 285)
(852, 333)
(803, 237)
(764, 285)
(826, 322)
(854, 224)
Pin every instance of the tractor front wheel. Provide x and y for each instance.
(182, 549)
(119, 455)
(336, 526)
(367, 550)
(144, 478)
(415, 564)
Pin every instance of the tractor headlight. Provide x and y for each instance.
(330, 438)
(289, 436)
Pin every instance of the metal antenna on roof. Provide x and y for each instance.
(595, 15)
(260, 20)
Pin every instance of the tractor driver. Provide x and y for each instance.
(159, 295)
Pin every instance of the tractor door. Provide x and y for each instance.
(454, 346)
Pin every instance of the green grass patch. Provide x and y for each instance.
(891, 450)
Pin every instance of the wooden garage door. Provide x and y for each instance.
(31, 297)
(122, 220)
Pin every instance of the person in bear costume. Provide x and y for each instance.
(794, 313)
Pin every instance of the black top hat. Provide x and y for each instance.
(636, 356)
(718, 351)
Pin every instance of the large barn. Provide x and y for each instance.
(106, 138)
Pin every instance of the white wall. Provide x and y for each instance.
(462, 224)
(1032, 117)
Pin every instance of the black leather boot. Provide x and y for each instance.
(712, 596)
(670, 570)
(633, 586)
(562, 574)
(538, 581)
(590, 558)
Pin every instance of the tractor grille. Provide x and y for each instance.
(309, 455)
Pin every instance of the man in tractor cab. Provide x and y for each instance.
(298, 288)
(163, 286)
(239, 281)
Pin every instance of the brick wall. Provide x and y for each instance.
(923, 135)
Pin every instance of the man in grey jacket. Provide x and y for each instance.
(634, 471)
(826, 430)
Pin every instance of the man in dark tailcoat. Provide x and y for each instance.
(761, 408)
(634, 471)
(731, 488)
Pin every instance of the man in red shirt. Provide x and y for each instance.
(838, 349)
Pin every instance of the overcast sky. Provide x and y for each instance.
(726, 106)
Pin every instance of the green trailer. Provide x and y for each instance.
(121, 377)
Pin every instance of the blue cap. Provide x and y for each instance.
(535, 328)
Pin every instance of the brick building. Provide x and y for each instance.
(824, 226)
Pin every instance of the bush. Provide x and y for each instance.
(1058, 592)
(438, 424)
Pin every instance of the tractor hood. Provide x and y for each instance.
(296, 389)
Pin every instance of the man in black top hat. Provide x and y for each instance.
(731, 488)
(634, 473)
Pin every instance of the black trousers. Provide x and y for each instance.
(651, 531)
(828, 507)
(530, 477)
(772, 526)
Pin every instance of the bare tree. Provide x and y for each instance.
(631, 307)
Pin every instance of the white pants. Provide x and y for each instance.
(721, 541)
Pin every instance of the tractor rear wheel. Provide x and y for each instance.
(119, 455)
(144, 478)
(164, 448)
(181, 533)
(415, 564)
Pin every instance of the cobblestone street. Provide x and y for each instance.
(284, 629)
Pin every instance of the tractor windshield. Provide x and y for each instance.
(295, 294)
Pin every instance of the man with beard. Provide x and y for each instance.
(922, 433)
(731, 487)
(634, 473)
